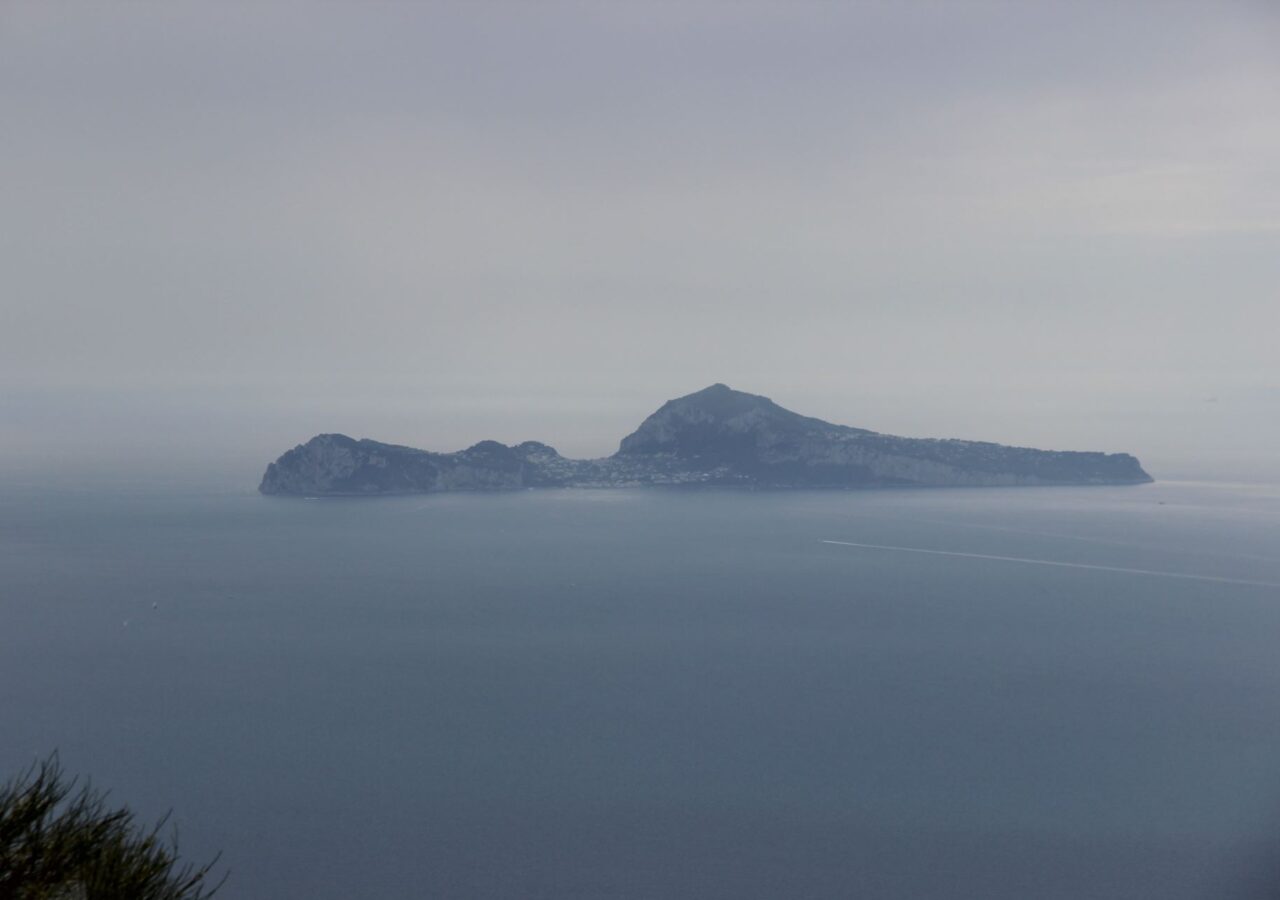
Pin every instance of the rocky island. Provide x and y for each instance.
(717, 436)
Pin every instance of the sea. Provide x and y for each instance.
(960, 693)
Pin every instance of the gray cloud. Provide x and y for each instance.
(231, 225)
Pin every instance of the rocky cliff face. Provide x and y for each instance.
(337, 464)
(715, 436)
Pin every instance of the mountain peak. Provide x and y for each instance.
(722, 399)
(717, 421)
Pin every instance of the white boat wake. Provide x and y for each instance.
(1066, 565)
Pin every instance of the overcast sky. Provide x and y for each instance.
(226, 227)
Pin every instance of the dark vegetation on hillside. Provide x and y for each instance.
(60, 840)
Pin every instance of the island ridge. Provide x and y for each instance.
(716, 436)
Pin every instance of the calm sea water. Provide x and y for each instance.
(647, 694)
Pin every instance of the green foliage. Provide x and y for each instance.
(60, 842)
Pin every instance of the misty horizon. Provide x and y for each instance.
(184, 445)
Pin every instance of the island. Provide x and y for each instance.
(714, 437)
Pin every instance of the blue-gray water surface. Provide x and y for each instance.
(663, 694)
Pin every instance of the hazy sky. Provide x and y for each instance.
(225, 227)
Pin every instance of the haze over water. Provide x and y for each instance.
(644, 694)
(228, 227)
